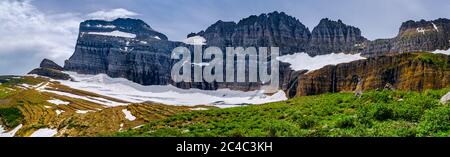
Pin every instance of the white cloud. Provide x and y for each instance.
(28, 35)
(112, 14)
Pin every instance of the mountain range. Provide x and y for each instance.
(117, 83)
(130, 48)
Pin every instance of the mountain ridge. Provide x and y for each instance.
(147, 60)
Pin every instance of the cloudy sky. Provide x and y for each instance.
(31, 30)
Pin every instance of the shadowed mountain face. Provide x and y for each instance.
(334, 37)
(131, 49)
(286, 32)
(125, 48)
(265, 30)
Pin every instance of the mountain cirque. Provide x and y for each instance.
(131, 49)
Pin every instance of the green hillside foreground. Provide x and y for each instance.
(375, 113)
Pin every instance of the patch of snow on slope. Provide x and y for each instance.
(199, 109)
(82, 111)
(302, 61)
(58, 102)
(105, 26)
(44, 132)
(128, 115)
(58, 112)
(115, 34)
(195, 40)
(10, 133)
(87, 98)
(27, 86)
(446, 52)
(421, 30)
(435, 27)
(129, 91)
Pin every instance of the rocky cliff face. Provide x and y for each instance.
(335, 37)
(286, 32)
(414, 36)
(141, 55)
(281, 30)
(273, 29)
(408, 71)
(134, 53)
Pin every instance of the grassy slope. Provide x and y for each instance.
(376, 113)
(29, 107)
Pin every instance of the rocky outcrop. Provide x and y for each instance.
(49, 64)
(445, 99)
(50, 69)
(408, 71)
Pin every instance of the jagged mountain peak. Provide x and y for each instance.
(331, 36)
(273, 18)
(221, 26)
(328, 23)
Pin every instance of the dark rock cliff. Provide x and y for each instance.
(273, 29)
(144, 59)
(335, 37)
(408, 71)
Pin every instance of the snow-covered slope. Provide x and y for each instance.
(11, 133)
(126, 90)
(447, 52)
(44, 132)
(302, 61)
